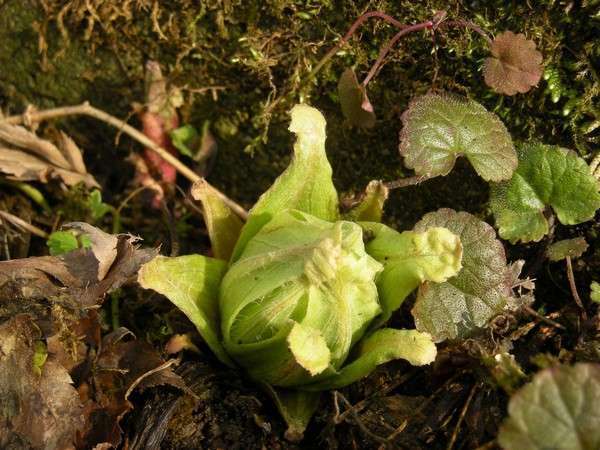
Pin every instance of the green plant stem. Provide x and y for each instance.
(34, 194)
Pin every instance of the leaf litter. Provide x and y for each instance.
(61, 384)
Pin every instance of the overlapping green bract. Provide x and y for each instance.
(558, 409)
(305, 185)
(438, 128)
(298, 296)
(192, 283)
(410, 258)
(547, 176)
(479, 292)
(298, 277)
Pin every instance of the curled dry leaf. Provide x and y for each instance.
(515, 65)
(56, 293)
(77, 280)
(26, 157)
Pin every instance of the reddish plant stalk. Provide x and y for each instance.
(385, 50)
(357, 23)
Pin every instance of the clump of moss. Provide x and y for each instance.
(243, 64)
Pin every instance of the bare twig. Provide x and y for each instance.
(363, 403)
(573, 287)
(17, 221)
(544, 319)
(463, 413)
(337, 395)
(88, 110)
(404, 182)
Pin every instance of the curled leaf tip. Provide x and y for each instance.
(309, 348)
(441, 244)
(307, 122)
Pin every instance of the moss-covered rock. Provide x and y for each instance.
(245, 63)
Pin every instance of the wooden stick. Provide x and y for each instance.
(86, 109)
(22, 224)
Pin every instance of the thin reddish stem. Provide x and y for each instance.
(385, 50)
(357, 23)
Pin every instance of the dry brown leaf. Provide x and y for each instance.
(121, 366)
(78, 279)
(36, 411)
(26, 157)
(72, 152)
(515, 65)
(103, 245)
(57, 293)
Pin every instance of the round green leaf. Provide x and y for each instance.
(438, 128)
(457, 307)
(558, 409)
(572, 248)
(547, 176)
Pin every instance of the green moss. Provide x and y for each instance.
(259, 51)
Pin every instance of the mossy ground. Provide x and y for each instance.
(242, 64)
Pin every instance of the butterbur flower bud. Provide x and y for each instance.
(294, 296)
(299, 297)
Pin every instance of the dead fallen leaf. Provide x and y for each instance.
(515, 65)
(121, 367)
(36, 411)
(25, 157)
(76, 280)
(103, 245)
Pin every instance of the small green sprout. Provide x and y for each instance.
(61, 242)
